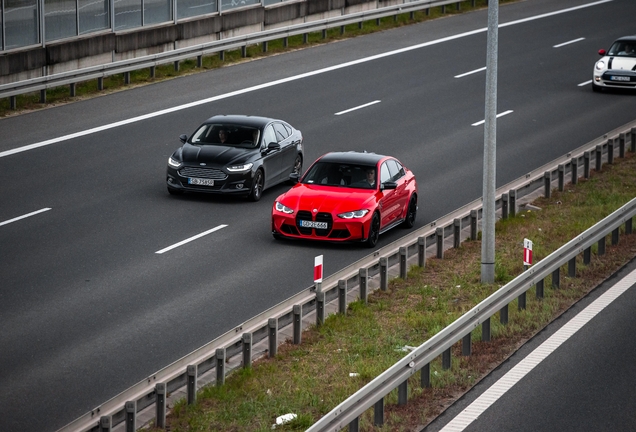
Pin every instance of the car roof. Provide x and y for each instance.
(626, 39)
(363, 158)
(245, 120)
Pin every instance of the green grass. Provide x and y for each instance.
(312, 378)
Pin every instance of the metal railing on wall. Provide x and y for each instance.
(238, 343)
(99, 72)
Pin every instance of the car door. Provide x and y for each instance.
(389, 202)
(398, 175)
(287, 148)
(272, 160)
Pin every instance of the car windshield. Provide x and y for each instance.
(623, 49)
(341, 175)
(226, 135)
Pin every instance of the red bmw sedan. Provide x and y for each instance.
(347, 196)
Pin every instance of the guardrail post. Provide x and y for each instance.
(633, 140)
(485, 330)
(131, 416)
(474, 214)
(504, 206)
(72, 89)
(467, 344)
(615, 237)
(539, 288)
(272, 332)
(521, 301)
(412, 16)
(378, 21)
(305, 38)
(153, 71)
(458, 6)
(100, 83)
(512, 201)
(13, 102)
(439, 236)
(556, 278)
(403, 393)
(572, 267)
(403, 269)
(547, 184)
(628, 226)
(298, 324)
(363, 276)
(264, 46)
(421, 251)
(320, 308)
(586, 164)
(43, 96)
(244, 51)
(428, 11)
(610, 151)
(324, 33)
(503, 315)
(126, 78)
(342, 30)
(425, 376)
(384, 279)
(104, 424)
(443, 9)
(220, 366)
(247, 350)
(601, 246)
(192, 383)
(561, 172)
(222, 55)
(457, 230)
(354, 426)
(360, 25)
(285, 42)
(587, 255)
(574, 165)
(378, 413)
(446, 359)
(176, 65)
(599, 158)
(621, 145)
(342, 297)
(160, 402)
(199, 61)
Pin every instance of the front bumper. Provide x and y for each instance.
(338, 230)
(239, 183)
(615, 79)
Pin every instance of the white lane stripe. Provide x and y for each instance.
(470, 73)
(181, 243)
(514, 375)
(357, 108)
(585, 83)
(24, 216)
(568, 43)
(285, 80)
(498, 115)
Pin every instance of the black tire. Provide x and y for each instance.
(374, 231)
(173, 191)
(297, 168)
(257, 186)
(411, 213)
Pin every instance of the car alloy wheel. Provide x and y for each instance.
(298, 167)
(257, 186)
(411, 212)
(374, 231)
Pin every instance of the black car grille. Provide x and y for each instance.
(207, 173)
(320, 217)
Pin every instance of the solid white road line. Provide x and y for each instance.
(181, 243)
(568, 43)
(358, 107)
(24, 216)
(498, 115)
(585, 83)
(289, 79)
(490, 396)
(470, 73)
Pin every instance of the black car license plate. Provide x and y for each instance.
(201, 182)
(312, 224)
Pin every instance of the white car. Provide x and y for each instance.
(617, 68)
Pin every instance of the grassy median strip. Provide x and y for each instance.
(341, 356)
(83, 90)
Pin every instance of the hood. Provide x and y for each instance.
(216, 154)
(625, 63)
(329, 199)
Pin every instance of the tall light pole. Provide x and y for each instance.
(490, 147)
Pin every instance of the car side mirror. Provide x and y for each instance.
(273, 146)
(602, 52)
(388, 185)
(183, 138)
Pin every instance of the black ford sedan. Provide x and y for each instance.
(236, 155)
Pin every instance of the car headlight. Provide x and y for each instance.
(600, 65)
(173, 162)
(353, 214)
(240, 168)
(283, 209)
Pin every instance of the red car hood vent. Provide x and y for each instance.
(328, 199)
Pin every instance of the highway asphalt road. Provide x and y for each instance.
(89, 308)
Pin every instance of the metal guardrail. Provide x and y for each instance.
(541, 181)
(123, 66)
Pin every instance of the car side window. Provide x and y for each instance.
(385, 175)
(269, 136)
(281, 133)
(396, 170)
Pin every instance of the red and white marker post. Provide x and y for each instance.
(527, 253)
(318, 273)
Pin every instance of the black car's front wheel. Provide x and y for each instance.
(374, 231)
(257, 186)
(298, 167)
